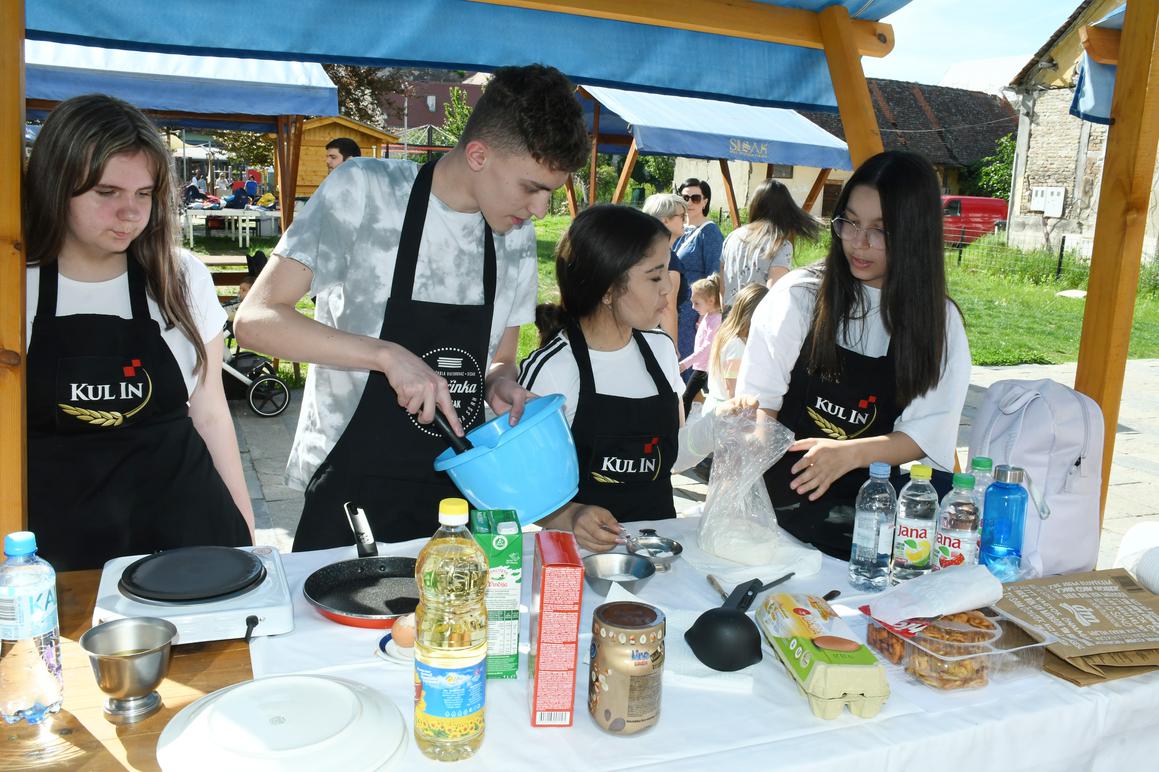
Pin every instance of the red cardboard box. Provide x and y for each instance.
(557, 590)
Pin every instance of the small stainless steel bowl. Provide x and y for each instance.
(130, 657)
(662, 551)
(599, 568)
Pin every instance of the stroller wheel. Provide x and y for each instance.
(269, 396)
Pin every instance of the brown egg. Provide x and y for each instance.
(403, 631)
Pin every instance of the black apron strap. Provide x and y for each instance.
(583, 360)
(406, 261)
(46, 293)
(651, 363)
(138, 296)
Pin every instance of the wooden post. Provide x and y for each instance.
(626, 173)
(815, 191)
(569, 188)
(286, 151)
(592, 178)
(1120, 221)
(853, 100)
(13, 461)
(729, 193)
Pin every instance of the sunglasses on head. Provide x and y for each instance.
(693, 198)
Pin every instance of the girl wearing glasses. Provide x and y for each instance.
(699, 251)
(863, 356)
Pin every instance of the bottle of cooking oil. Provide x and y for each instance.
(451, 647)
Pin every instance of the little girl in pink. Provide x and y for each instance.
(706, 302)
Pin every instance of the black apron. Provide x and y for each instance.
(860, 405)
(384, 460)
(115, 465)
(626, 445)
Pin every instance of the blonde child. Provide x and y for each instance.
(706, 303)
(728, 345)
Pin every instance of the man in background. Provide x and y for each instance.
(339, 149)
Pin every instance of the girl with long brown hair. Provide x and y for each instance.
(863, 356)
(131, 447)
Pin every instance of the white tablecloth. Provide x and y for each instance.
(1036, 723)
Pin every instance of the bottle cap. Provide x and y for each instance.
(507, 528)
(1009, 474)
(453, 512)
(963, 480)
(879, 469)
(920, 472)
(19, 543)
(982, 462)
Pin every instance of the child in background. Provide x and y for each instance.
(728, 345)
(706, 303)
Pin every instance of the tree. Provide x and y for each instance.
(362, 92)
(246, 147)
(661, 170)
(993, 173)
(455, 113)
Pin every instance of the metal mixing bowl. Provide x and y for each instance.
(130, 657)
(597, 569)
(649, 545)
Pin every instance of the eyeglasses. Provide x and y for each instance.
(848, 231)
(693, 198)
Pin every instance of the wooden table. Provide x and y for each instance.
(79, 737)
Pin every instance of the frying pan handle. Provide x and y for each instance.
(363, 537)
(460, 444)
(743, 595)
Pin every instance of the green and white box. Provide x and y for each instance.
(499, 534)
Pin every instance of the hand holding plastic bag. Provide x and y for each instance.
(739, 523)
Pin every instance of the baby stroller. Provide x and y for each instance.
(267, 394)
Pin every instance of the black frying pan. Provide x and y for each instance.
(368, 591)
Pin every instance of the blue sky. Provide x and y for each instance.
(932, 35)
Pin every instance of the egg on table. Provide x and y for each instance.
(403, 631)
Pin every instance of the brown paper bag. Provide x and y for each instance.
(1106, 624)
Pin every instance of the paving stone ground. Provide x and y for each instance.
(1132, 498)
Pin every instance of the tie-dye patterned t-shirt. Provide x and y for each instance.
(348, 235)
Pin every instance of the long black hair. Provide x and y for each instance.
(913, 295)
(594, 256)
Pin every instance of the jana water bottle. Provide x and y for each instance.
(451, 646)
(30, 680)
(983, 470)
(1005, 516)
(876, 508)
(913, 541)
(957, 534)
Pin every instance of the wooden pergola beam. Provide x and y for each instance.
(815, 191)
(729, 193)
(1120, 222)
(572, 204)
(593, 179)
(1101, 45)
(849, 84)
(626, 173)
(12, 407)
(735, 18)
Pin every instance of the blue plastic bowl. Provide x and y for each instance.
(530, 467)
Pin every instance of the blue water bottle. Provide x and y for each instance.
(1002, 526)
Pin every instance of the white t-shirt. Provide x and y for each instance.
(111, 298)
(745, 260)
(621, 373)
(348, 237)
(778, 330)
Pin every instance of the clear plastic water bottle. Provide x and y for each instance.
(30, 680)
(1004, 520)
(451, 646)
(913, 540)
(876, 508)
(983, 470)
(957, 534)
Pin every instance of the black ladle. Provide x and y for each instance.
(725, 638)
(460, 444)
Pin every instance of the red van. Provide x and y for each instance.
(965, 218)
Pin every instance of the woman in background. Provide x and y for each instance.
(670, 209)
(698, 249)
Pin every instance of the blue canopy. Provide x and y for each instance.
(703, 128)
(1095, 85)
(465, 35)
(177, 83)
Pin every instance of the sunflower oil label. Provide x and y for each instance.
(913, 543)
(957, 548)
(449, 701)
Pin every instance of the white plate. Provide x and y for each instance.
(395, 653)
(291, 722)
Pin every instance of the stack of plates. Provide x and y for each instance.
(292, 722)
